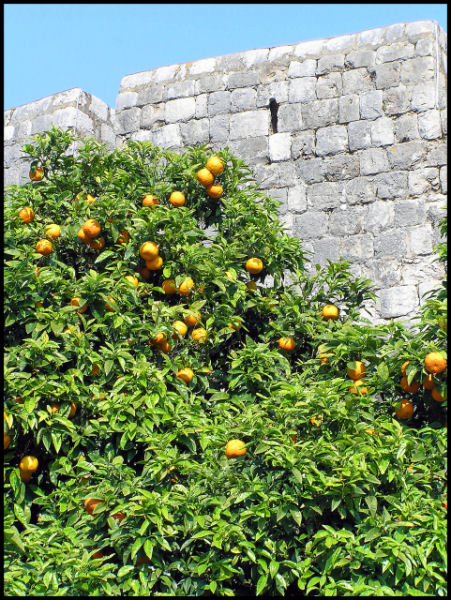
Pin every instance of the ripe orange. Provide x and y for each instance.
(205, 177)
(404, 367)
(180, 327)
(215, 190)
(254, 266)
(73, 409)
(437, 395)
(89, 199)
(330, 311)
(55, 407)
(428, 383)
(405, 411)
(235, 324)
(76, 302)
(91, 228)
(119, 516)
(44, 247)
(6, 440)
(323, 353)
(90, 504)
(358, 372)
(356, 389)
(97, 244)
(154, 264)
(150, 200)
(412, 388)
(82, 236)
(158, 339)
(251, 286)
(26, 214)
(186, 286)
(97, 554)
(177, 199)
(53, 231)
(165, 346)
(124, 237)
(185, 374)
(18, 399)
(435, 363)
(36, 174)
(169, 286)
(199, 335)
(235, 448)
(192, 319)
(25, 476)
(286, 343)
(316, 420)
(95, 370)
(144, 272)
(29, 463)
(133, 280)
(108, 306)
(148, 250)
(215, 165)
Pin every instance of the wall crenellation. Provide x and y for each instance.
(349, 133)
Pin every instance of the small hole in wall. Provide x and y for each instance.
(273, 107)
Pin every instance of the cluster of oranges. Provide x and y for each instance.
(206, 176)
(356, 374)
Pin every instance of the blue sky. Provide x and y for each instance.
(49, 48)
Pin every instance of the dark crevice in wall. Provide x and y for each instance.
(273, 107)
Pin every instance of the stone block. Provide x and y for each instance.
(406, 155)
(252, 151)
(219, 128)
(280, 147)
(310, 225)
(230, 62)
(210, 83)
(361, 190)
(181, 109)
(206, 65)
(324, 196)
(420, 269)
(340, 167)
(380, 216)
(371, 104)
(312, 48)
(277, 90)
(346, 222)
(348, 108)
(390, 243)
(218, 103)
(136, 80)
(395, 51)
(420, 239)
(107, 136)
(436, 155)
(339, 43)
(444, 121)
(330, 140)
(383, 272)
(297, 198)
(357, 247)
(425, 47)
(324, 250)
(371, 37)
(396, 100)
(126, 100)
(372, 161)
(320, 113)
(357, 81)
(255, 57)
(22, 129)
(331, 62)
(168, 136)
(405, 128)
(429, 124)
(252, 123)
(280, 195)
(151, 113)
(424, 287)
(444, 179)
(418, 29)
(421, 181)
(279, 52)
(310, 170)
(360, 58)
(302, 144)
(195, 132)
(243, 79)
(409, 212)
(417, 69)
(8, 133)
(386, 75)
(150, 94)
(289, 118)
(275, 175)
(394, 33)
(243, 99)
(305, 68)
(398, 301)
(179, 89)
(381, 131)
(359, 135)
(391, 185)
(201, 106)
(302, 89)
(329, 86)
(98, 108)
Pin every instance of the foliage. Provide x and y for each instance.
(334, 496)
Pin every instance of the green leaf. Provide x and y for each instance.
(297, 516)
(273, 568)
(383, 371)
(297, 474)
(124, 570)
(261, 584)
(371, 502)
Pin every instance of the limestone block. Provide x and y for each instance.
(423, 97)
(219, 128)
(340, 167)
(394, 33)
(346, 222)
(7, 114)
(143, 135)
(280, 195)
(417, 69)
(98, 108)
(152, 93)
(386, 75)
(429, 124)
(423, 180)
(168, 136)
(136, 80)
(277, 90)
(107, 136)
(420, 269)
(360, 58)
(181, 109)
(126, 100)
(251, 123)
(279, 147)
(371, 104)
(230, 62)
(329, 86)
(420, 239)
(8, 133)
(305, 68)
(331, 62)
(371, 37)
(405, 128)
(324, 250)
(444, 121)
(357, 81)
(436, 210)
(297, 199)
(436, 155)
(252, 151)
(209, 83)
(390, 243)
(391, 185)
(383, 272)
(310, 225)
(179, 89)
(302, 144)
(409, 212)
(255, 57)
(406, 155)
(151, 113)
(275, 175)
(195, 132)
(419, 29)
(330, 140)
(359, 135)
(201, 106)
(324, 196)
(380, 216)
(310, 170)
(243, 99)
(10, 155)
(348, 108)
(424, 287)
(312, 48)
(290, 117)
(33, 109)
(206, 65)
(302, 89)
(396, 100)
(381, 131)
(372, 161)
(444, 179)
(395, 51)
(243, 79)
(278, 52)
(218, 103)
(425, 47)
(357, 247)
(341, 42)
(320, 113)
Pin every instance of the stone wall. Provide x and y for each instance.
(349, 133)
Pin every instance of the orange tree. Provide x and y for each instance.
(180, 419)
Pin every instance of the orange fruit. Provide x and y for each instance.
(124, 237)
(165, 346)
(97, 244)
(82, 236)
(316, 420)
(356, 389)
(199, 335)
(148, 250)
(95, 370)
(89, 199)
(294, 437)
(186, 286)
(404, 367)
(29, 463)
(133, 280)
(323, 353)
(154, 264)
(251, 286)
(235, 448)
(73, 409)
(119, 516)
(76, 302)
(434, 363)
(169, 286)
(215, 190)
(412, 388)
(44, 247)
(215, 165)
(26, 214)
(144, 272)
(286, 343)
(254, 266)
(205, 177)
(405, 411)
(235, 324)
(55, 407)
(108, 306)
(185, 374)
(18, 399)
(180, 327)
(177, 199)
(36, 174)
(53, 231)
(25, 476)
(437, 396)
(6, 440)
(150, 200)
(90, 504)
(330, 311)
(97, 554)
(428, 383)
(91, 228)
(143, 560)
(39, 305)
(159, 339)
(192, 319)
(358, 372)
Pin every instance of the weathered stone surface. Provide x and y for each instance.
(340, 167)
(398, 302)
(243, 79)
(218, 103)
(252, 123)
(180, 89)
(406, 155)
(396, 100)
(380, 216)
(409, 212)
(243, 99)
(386, 75)
(346, 222)
(331, 62)
(395, 51)
(429, 124)
(280, 146)
(219, 128)
(330, 140)
(277, 90)
(126, 100)
(297, 199)
(290, 118)
(280, 195)
(390, 243)
(275, 175)
(310, 225)
(357, 80)
(195, 132)
(361, 190)
(151, 93)
(381, 131)
(201, 106)
(168, 136)
(326, 249)
(391, 185)
(417, 69)
(359, 135)
(444, 179)
(360, 58)
(320, 113)
(206, 65)
(423, 180)
(151, 113)
(371, 104)
(405, 128)
(181, 109)
(373, 160)
(252, 150)
(420, 239)
(302, 144)
(305, 68)
(310, 170)
(302, 89)
(324, 196)
(348, 108)
(329, 86)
